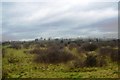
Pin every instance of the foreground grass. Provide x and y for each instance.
(22, 66)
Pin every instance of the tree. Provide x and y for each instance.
(36, 40)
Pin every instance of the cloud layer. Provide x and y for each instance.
(26, 20)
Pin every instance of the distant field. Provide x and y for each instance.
(64, 60)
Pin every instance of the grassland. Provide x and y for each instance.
(20, 64)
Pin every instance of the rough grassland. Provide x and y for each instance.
(22, 66)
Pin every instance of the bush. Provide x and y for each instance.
(41, 45)
(15, 46)
(77, 63)
(26, 45)
(91, 61)
(37, 51)
(13, 59)
(80, 50)
(54, 56)
(89, 47)
(114, 55)
(105, 51)
(61, 46)
(56, 45)
(72, 45)
(101, 61)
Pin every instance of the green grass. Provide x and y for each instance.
(22, 66)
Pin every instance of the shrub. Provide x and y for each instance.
(101, 61)
(80, 50)
(114, 55)
(41, 45)
(15, 46)
(37, 51)
(77, 63)
(54, 56)
(26, 45)
(56, 47)
(72, 45)
(89, 47)
(91, 61)
(5, 43)
(13, 59)
(105, 51)
(61, 46)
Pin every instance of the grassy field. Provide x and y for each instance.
(18, 64)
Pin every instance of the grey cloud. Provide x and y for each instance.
(30, 20)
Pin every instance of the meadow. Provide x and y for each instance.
(60, 58)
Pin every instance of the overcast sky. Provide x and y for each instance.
(66, 19)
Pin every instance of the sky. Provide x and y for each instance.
(59, 19)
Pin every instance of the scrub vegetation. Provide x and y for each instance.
(60, 58)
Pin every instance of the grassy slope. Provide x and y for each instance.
(24, 67)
